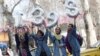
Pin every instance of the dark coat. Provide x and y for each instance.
(41, 43)
(72, 42)
(25, 45)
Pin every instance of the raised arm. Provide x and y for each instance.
(74, 25)
(51, 36)
(33, 36)
(47, 33)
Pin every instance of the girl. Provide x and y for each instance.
(22, 42)
(72, 42)
(41, 44)
(59, 43)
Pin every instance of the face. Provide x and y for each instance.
(58, 30)
(26, 29)
(39, 33)
(69, 27)
(20, 31)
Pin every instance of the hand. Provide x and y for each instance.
(33, 25)
(61, 45)
(75, 17)
(17, 50)
(44, 23)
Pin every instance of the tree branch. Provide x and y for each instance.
(15, 5)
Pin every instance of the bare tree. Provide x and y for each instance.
(90, 31)
(10, 22)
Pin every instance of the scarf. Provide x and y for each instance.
(58, 37)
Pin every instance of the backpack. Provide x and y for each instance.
(80, 39)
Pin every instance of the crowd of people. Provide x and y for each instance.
(60, 43)
(23, 35)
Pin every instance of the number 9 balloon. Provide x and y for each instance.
(52, 19)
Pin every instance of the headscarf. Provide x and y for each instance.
(58, 37)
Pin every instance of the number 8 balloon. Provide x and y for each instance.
(38, 16)
(71, 8)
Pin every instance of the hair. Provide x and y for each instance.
(71, 25)
(19, 27)
(39, 31)
(22, 28)
(25, 27)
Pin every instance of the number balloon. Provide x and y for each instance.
(71, 8)
(38, 11)
(38, 16)
(52, 19)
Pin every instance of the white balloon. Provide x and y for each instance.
(38, 15)
(71, 9)
(52, 19)
(72, 12)
(38, 11)
(38, 20)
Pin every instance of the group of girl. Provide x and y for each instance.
(59, 42)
